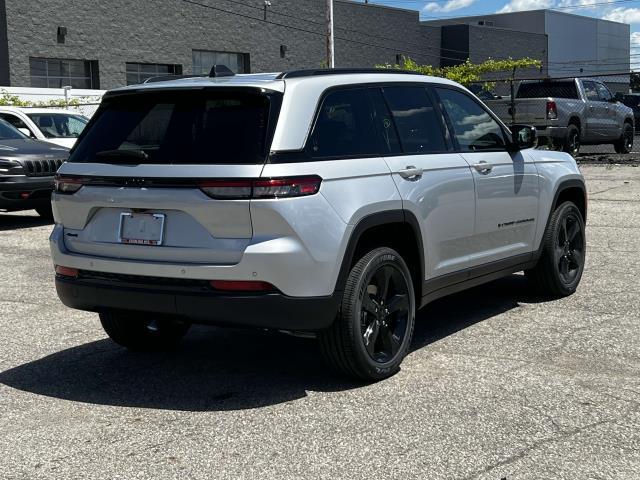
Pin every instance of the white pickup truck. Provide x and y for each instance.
(569, 113)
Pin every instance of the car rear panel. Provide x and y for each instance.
(141, 163)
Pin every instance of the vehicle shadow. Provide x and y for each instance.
(15, 222)
(227, 369)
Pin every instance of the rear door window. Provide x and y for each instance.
(384, 122)
(418, 123)
(344, 126)
(182, 127)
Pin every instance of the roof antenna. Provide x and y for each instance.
(220, 71)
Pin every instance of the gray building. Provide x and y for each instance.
(568, 44)
(89, 44)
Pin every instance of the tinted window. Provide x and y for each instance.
(548, 89)
(418, 124)
(188, 127)
(13, 120)
(344, 126)
(59, 125)
(9, 132)
(474, 128)
(603, 92)
(384, 123)
(591, 91)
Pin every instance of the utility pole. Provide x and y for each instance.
(331, 58)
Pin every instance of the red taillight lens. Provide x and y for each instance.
(242, 286)
(286, 187)
(67, 185)
(552, 111)
(262, 188)
(67, 271)
(227, 189)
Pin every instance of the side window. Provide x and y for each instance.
(473, 127)
(384, 123)
(603, 93)
(418, 123)
(13, 120)
(591, 91)
(344, 126)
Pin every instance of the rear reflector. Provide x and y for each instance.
(242, 286)
(67, 271)
(262, 188)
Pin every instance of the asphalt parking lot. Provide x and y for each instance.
(500, 383)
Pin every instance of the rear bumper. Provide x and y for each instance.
(551, 132)
(196, 303)
(23, 193)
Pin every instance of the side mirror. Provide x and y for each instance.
(523, 137)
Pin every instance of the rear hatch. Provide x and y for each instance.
(162, 175)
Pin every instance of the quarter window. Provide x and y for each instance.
(473, 127)
(344, 126)
(418, 123)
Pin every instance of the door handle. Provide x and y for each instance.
(411, 173)
(483, 167)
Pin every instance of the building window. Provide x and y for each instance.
(139, 72)
(58, 73)
(203, 60)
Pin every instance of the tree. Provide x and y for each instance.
(468, 73)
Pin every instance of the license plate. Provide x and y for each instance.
(141, 228)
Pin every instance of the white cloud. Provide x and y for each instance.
(584, 4)
(624, 15)
(449, 6)
(518, 5)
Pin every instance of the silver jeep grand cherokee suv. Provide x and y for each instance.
(335, 202)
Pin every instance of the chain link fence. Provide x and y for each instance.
(595, 119)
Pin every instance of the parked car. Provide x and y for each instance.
(632, 101)
(27, 168)
(570, 113)
(334, 202)
(61, 127)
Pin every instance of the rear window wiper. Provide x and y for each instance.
(123, 156)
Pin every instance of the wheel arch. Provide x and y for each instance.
(567, 190)
(397, 229)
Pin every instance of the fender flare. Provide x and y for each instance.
(562, 186)
(376, 220)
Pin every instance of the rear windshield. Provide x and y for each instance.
(180, 127)
(548, 89)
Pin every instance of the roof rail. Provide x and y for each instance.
(340, 71)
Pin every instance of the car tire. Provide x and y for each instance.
(370, 338)
(142, 331)
(45, 212)
(572, 141)
(561, 264)
(625, 144)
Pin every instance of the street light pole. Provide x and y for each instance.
(331, 59)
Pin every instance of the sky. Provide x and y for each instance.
(627, 11)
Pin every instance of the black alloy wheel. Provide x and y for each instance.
(570, 248)
(384, 313)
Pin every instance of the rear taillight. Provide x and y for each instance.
(242, 286)
(67, 271)
(552, 111)
(67, 185)
(262, 188)
(227, 189)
